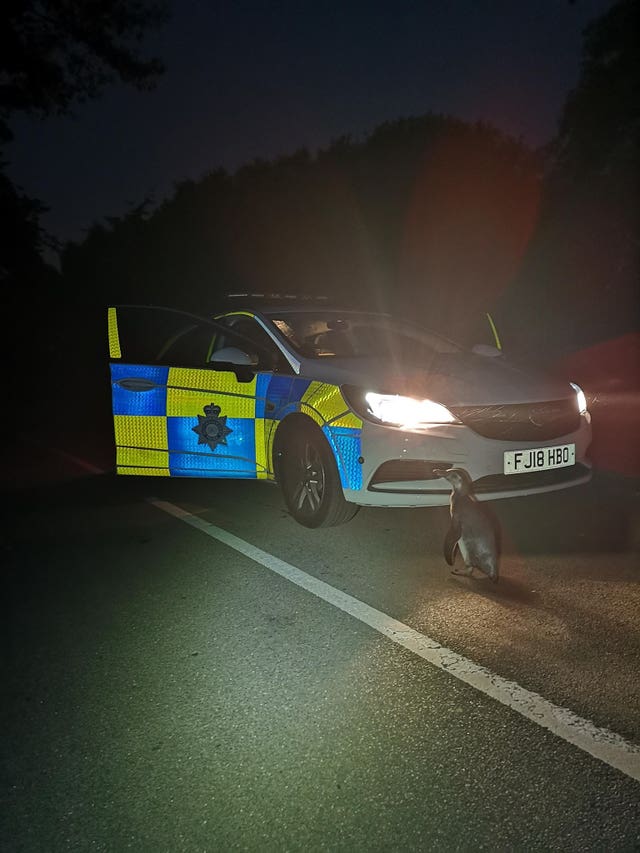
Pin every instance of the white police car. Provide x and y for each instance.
(342, 408)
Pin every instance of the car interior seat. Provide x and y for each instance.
(333, 342)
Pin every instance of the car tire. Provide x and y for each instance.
(308, 476)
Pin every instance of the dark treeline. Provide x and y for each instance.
(428, 215)
(580, 280)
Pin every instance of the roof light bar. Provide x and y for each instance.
(295, 296)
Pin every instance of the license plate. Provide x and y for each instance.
(539, 458)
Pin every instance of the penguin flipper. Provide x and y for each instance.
(451, 541)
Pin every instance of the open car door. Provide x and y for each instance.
(175, 411)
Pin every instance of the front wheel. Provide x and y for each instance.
(309, 478)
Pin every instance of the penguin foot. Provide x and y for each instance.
(466, 572)
(493, 576)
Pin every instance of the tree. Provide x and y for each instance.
(20, 233)
(579, 283)
(54, 53)
(600, 125)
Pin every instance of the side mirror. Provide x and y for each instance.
(233, 355)
(486, 350)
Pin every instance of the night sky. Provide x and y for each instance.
(261, 79)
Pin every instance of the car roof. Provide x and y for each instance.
(318, 309)
(275, 303)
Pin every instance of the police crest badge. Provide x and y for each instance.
(212, 429)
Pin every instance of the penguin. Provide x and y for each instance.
(472, 530)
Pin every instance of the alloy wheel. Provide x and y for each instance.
(309, 485)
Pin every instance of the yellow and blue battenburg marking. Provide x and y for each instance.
(114, 337)
(186, 422)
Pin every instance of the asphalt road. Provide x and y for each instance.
(165, 692)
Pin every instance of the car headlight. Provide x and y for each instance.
(582, 400)
(406, 411)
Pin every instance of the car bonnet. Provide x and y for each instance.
(456, 379)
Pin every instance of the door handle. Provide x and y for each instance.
(136, 383)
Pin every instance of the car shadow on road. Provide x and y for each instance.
(603, 516)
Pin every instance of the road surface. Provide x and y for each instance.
(290, 689)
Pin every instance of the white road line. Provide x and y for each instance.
(603, 744)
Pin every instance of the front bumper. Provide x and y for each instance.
(455, 445)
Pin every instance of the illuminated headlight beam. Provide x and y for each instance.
(406, 411)
(582, 400)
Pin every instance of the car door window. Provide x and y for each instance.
(243, 331)
(149, 335)
(189, 346)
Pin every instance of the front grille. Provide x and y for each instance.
(534, 480)
(406, 470)
(521, 422)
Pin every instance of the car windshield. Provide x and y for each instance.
(331, 334)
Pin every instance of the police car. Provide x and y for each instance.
(341, 408)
